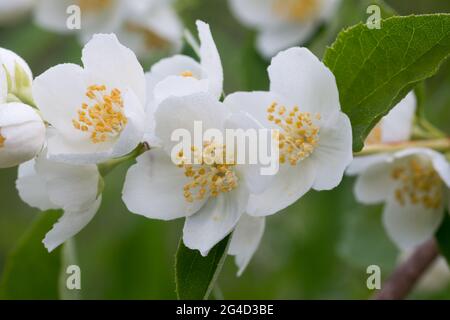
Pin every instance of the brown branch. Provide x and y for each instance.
(404, 278)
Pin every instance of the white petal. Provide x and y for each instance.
(245, 240)
(299, 76)
(69, 225)
(23, 132)
(289, 185)
(333, 153)
(32, 188)
(410, 225)
(396, 126)
(255, 13)
(71, 187)
(374, 185)
(3, 84)
(254, 104)
(274, 39)
(215, 220)
(177, 86)
(133, 133)
(114, 65)
(10, 59)
(154, 188)
(165, 22)
(361, 164)
(210, 60)
(59, 92)
(177, 113)
(51, 15)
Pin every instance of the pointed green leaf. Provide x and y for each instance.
(30, 271)
(195, 275)
(376, 68)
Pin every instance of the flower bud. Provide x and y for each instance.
(22, 134)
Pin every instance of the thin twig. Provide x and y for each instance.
(404, 278)
(435, 144)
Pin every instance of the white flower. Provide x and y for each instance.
(315, 136)
(12, 10)
(245, 240)
(396, 126)
(413, 184)
(211, 196)
(46, 185)
(98, 110)
(22, 133)
(283, 23)
(181, 75)
(142, 25)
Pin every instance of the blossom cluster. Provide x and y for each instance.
(83, 118)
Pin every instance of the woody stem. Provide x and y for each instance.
(441, 145)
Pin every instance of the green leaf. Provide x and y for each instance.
(376, 68)
(195, 275)
(30, 271)
(443, 237)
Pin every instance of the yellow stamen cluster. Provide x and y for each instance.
(151, 39)
(187, 74)
(212, 175)
(103, 116)
(297, 10)
(298, 135)
(375, 136)
(93, 5)
(419, 183)
(2, 141)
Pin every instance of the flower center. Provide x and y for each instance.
(296, 10)
(151, 39)
(2, 141)
(212, 175)
(187, 74)
(93, 5)
(375, 136)
(419, 183)
(102, 117)
(299, 135)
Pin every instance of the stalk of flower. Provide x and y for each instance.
(45, 184)
(181, 75)
(283, 23)
(97, 110)
(146, 26)
(212, 195)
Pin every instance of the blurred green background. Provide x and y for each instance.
(318, 248)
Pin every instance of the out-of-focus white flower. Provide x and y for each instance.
(397, 125)
(212, 196)
(143, 25)
(97, 111)
(181, 75)
(13, 10)
(283, 23)
(22, 133)
(46, 185)
(413, 184)
(245, 240)
(315, 137)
